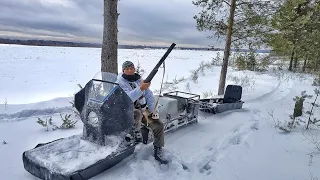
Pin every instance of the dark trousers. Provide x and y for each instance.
(155, 125)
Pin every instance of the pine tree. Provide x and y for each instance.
(47, 123)
(67, 122)
(296, 31)
(298, 108)
(240, 22)
(314, 104)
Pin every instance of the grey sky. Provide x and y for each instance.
(156, 22)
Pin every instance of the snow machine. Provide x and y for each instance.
(230, 101)
(107, 115)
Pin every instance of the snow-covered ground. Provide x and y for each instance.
(242, 144)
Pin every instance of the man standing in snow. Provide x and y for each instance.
(142, 97)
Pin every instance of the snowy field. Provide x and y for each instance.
(242, 144)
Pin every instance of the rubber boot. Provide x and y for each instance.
(145, 134)
(158, 155)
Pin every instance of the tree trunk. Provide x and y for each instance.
(309, 119)
(292, 56)
(295, 63)
(304, 64)
(226, 55)
(109, 53)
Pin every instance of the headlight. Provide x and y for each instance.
(93, 118)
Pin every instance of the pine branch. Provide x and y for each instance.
(309, 120)
(242, 3)
(284, 129)
(316, 121)
(240, 38)
(227, 3)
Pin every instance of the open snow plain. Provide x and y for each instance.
(242, 144)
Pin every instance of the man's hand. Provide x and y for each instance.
(144, 85)
(154, 115)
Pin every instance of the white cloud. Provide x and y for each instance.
(140, 21)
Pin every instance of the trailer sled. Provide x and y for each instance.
(230, 101)
(178, 109)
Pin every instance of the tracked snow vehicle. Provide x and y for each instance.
(107, 115)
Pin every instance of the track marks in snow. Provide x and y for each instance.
(206, 169)
(283, 88)
(237, 137)
(255, 126)
(241, 134)
(142, 165)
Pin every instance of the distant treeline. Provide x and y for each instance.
(96, 45)
(47, 43)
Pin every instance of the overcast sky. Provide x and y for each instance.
(145, 22)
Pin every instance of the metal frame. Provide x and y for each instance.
(105, 81)
(183, 120)
(176, 94)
